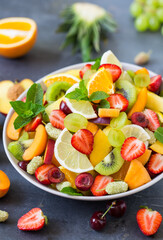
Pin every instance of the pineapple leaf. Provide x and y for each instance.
(96, 37)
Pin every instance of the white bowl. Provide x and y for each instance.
(33, 180)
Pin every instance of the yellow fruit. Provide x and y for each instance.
(54, 106)
(145, 157)
(106, 112)
(17, 36)
(61, 77)
(142, 71)
(157, 147)
(160, 117)
(74, 72)
(154, 102)
(92, 127)
(70, 176)
(101, 148)
(120, 175)
(106, 130)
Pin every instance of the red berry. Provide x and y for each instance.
(84, 69)
(41, 173)
(117, 209)
(132, 148)
(31, 127)
(99, 185)
(57, 118)
(155, 83)
(153, 119)
(97, 221)
(84, 181)
(65, 108)
(82, 141)
(55, 175)
(140, 119)
(118, 101)
(113, 69)
(155, 164)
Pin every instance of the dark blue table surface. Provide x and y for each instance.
(69, 219)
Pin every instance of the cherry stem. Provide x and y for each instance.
(107, 210)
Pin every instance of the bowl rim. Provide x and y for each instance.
(32, 179)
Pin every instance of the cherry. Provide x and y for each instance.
(84, 181)
(117, 208)
(55, 175)
(23, 165)
(63, 106)
(98, 221)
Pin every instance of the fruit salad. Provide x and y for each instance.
(95, 131)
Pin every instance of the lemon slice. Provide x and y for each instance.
(134, 130)
(68, 156)
(109, 57)
(82, 107)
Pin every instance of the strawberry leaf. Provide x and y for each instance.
(159, 134)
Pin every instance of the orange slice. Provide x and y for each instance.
(101, 81)
(60, 78)
(17, 36)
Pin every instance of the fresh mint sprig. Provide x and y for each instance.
(96, 65)
(71, 191)
(159, 134)
(29, 109)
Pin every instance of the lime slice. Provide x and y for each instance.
(82, 107)
(134, 130)
(109, 57)
(68, 156)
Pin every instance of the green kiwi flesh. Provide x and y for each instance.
(57, 90)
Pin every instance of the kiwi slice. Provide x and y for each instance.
(111, 163)
(128, 90)
(57, 90)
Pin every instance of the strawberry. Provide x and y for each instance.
(41, 173)
(113, 69)
(155, 83)
(153, 119)
(24, 99)
(132, 148)
(155, 164)
(84, 69)
(34, 220)
(57, 118)
(148, 220)
(118, 101)
(99, 185)
(31, 127)
(83, 141)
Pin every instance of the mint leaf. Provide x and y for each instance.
(80, 93)
(19, 107)
(21, 122)
(159, 134)
(71, 191)
(104, 104)
(76, 94)
(35, 94)
(99, 95)
(83, 88)
(38, 109)
(96, 65)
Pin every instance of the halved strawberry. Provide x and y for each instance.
(155, 164)
(84, 69)
(118, 101)
(153, 119)
(41, 173)
(132, 148)
(83, 141)
(34, 220)
(57, 118)
(113, 69)
(100, 182)
(155, 83)
(31, 127)
(148, 220)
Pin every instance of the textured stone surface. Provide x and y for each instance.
(69, 219)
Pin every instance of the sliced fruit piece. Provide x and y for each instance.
(152, 139)
(134, 130)
(41, 173)
(116, 137)
(100, 184)
(54, 106)
(141, 80)
(31, 127)
(57, 119)
(128, 90)
(101, 81)
(136, 175)
(84, 69)
(118, 101)
(68, 156)
(111, 163)
(106, 130)
(120, 175)
(87, 76)
(74, 121)
(101, 148)
(52, 131)
(155, 164)
(109, 57)
(4, 98)
(55, 161)
(155, 83)
(120, 121)
(18, 36)
(38, 145)
(113, 69)
(139, 119)
(57, 90)
(63, 107)
(125, 76)
(116, 187)
(140, 102)
(101, 121)
(82, 141)
(132, 148)
(82, 107)
(26, 83)
(92, 127)
(154, 102)
(69, 176)
(108, 112)
(84, 181)
(157, 147)
(33, 164)
(74, 72)
(4, 184)
(148, 220)
(160, 116)
(34, 220)
(142, 70)
(13, 133)
(49, 151)
(153, 119)
(145, 157)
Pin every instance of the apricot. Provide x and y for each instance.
(93, 128)
(38, 145)
(13, 133)
(4, 184)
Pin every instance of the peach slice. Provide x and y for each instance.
(92, 127)
(49, 152)
(4, 99)
(108, 112)
(13, 133)
(145, 157)
(4, 184)
(38, 145)
(69, 176)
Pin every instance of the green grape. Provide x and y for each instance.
(135, 9)
(160, 14)
(153, 3)
(131, 73)
(160, 2)
(120, 121)
(141, 23)
(141, 80)
(116, 137)
(154, 23)
(74, 121)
